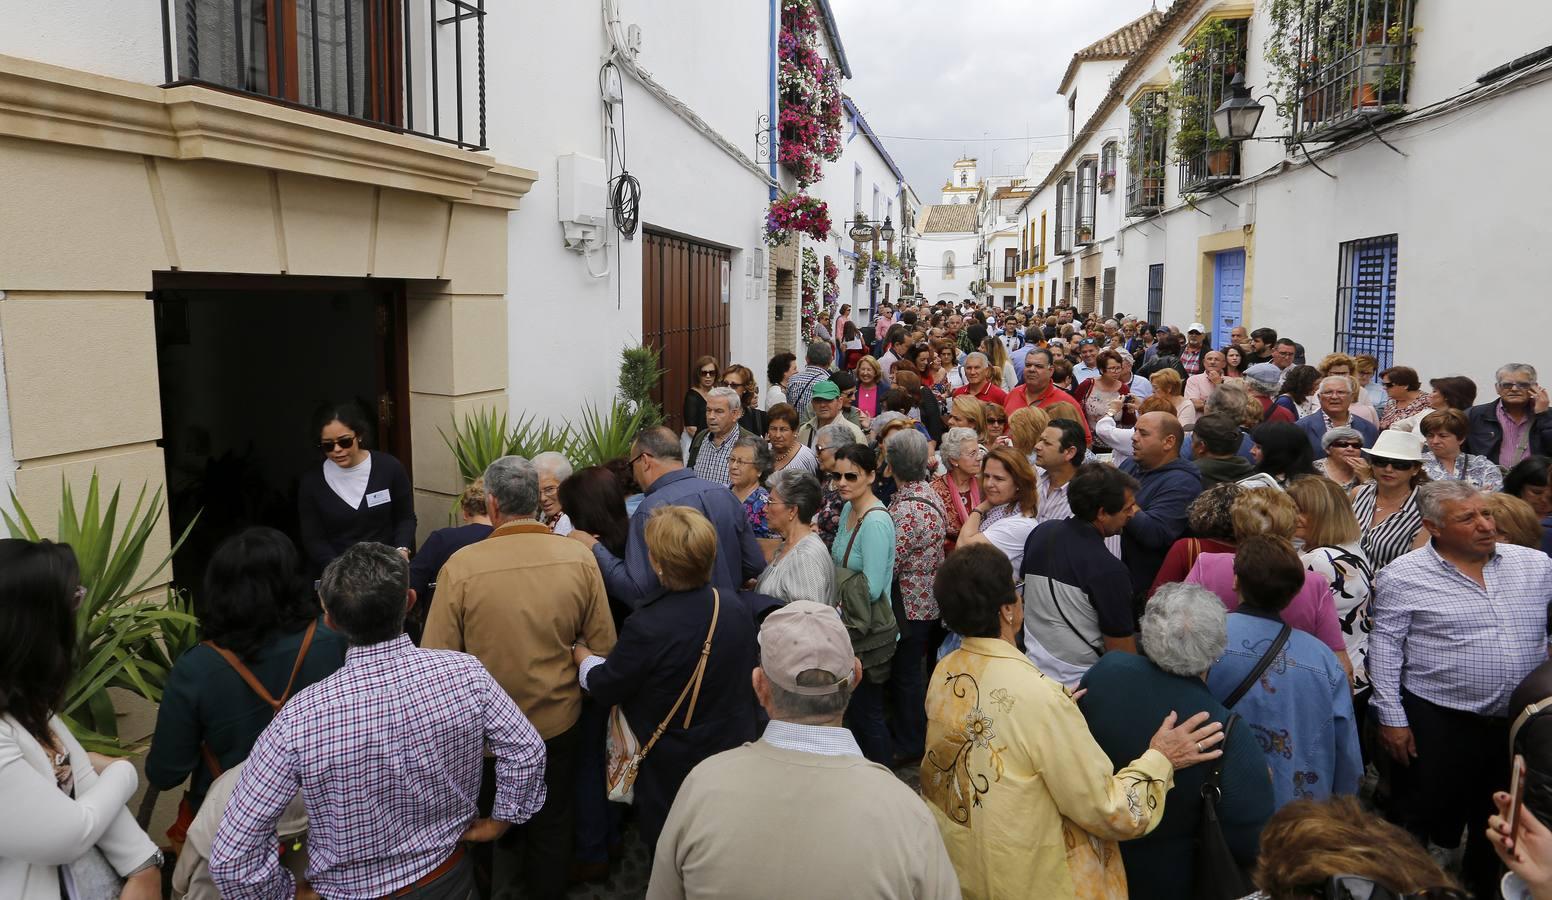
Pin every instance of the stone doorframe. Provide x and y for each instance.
(108, 181)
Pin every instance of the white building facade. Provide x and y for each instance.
(1425, 125)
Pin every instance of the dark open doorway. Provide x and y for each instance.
(244, 364)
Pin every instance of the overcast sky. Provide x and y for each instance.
(968, 71)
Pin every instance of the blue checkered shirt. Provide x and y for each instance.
(1450, 641)
(387, 753)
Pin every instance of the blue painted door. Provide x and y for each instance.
(1228, 294)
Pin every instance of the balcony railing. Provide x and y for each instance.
(411, 66)
(1354, 66)
(1208, 163)
(1147, 150)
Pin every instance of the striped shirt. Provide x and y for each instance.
(387, 753)
(1455, 643)
(1391, 538)
(803, 571)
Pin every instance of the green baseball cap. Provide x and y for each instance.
(827, 390)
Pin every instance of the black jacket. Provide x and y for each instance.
(652, 662)
(330, 527)
(1484, 436)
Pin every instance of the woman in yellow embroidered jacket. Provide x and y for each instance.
(1027, 802)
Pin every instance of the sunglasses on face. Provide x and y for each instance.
(345, 443)
(1348, 445)
(996, 421)
(709, 373)
(1400, 465)
(1516, 385)
(849, 476)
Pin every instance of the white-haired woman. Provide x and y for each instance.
(801, 568)
(1185, 630)
(960, 487)
(920, 527)
(553, 469)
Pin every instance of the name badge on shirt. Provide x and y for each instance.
(378, 498)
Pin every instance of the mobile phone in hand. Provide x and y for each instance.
(1516, 795)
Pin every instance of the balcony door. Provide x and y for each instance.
(341, 56)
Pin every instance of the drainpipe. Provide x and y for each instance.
(775, 23)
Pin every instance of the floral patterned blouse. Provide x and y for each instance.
(943, 486)
(1394, 413)
(920, 523)
(827, 521)
(754, 508)
(1026, 801)
(1479, 470)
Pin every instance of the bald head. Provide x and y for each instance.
(1156, 439)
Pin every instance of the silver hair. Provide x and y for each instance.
(797, 707)
(984, 360)
(1343, 380)
(1433, 496)
(907, 453)
(836, 435)
(954, 442)
(1185, 628)
(763, 461)
(798, 488)
(662, 443)
(513, 482)
(553, 464)
(734, 402)
(1515, 369)
(1126, 357)
(883, 419)
(1340, 433)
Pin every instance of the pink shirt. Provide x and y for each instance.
(867, 399)
(1312, 609)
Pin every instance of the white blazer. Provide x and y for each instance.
(43, 828)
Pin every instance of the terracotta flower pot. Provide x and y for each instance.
(1220, 162)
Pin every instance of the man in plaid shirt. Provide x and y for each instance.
(387, 754)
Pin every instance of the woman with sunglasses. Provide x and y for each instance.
(355, 495)
(865, 542)
(996, 425)
(1387, 507)
(705, 378)
(1344, 462)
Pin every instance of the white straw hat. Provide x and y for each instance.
(1394, 444)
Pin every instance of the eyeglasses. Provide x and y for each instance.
(1516, 385)
(709, 372)
(1400, 465)
(345, 443)
(1358, 887)
(1348, 445)
(638, 456)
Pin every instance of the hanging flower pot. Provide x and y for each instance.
(1365, 95)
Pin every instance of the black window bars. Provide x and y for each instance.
(404, 65)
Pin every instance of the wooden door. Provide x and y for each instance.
(684, 313)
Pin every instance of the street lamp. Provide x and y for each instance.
(1236, 117)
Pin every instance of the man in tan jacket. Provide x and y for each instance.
(519, 600)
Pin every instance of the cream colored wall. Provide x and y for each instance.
(106, 182)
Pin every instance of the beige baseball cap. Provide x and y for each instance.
(801, 636)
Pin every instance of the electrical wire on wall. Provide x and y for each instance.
(623, 187)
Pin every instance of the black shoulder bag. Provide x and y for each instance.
(1218, 874)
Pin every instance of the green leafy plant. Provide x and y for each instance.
(641, 367)
(1191, 92)
(124, 640)
(602, 436)
(529, 438)
(482, 438)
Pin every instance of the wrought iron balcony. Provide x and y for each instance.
(1354, 62)
(1207, 162)
(1145, 190)
(411, 66)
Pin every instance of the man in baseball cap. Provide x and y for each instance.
(800, 812)
(1191, 356)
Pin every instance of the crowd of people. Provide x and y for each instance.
(1113, 594)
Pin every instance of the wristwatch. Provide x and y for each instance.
(155, 861)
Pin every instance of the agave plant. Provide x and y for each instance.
(482, 438)
(602, 436)
(124, 640)
(529, 438)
